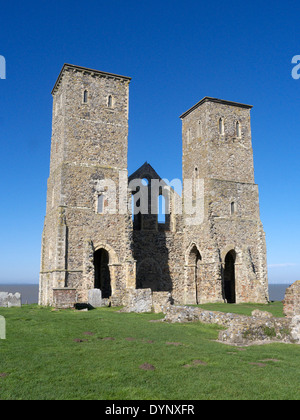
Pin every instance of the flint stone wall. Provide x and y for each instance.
(137, 300)
(291, 303)
(7, 300)
(241, 329)
(142, 300)
(161, 301)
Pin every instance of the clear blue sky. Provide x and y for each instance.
(176, 53)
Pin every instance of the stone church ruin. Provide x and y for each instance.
(92, 241)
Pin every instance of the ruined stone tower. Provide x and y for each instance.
(226, 253)
(83, 246)
(91, 241)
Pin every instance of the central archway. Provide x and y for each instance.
(102, 279)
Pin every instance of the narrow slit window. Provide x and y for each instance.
(221, 125)
(232, 208)
(238, 129)
(109, 101)
(188, 135)
(132, 207)
(199, 129)
(85, 96)
(100, 204)
(52, 198)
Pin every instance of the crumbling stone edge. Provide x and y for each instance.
(259, 328)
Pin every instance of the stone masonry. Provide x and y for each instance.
(90, 238)
(291, 303)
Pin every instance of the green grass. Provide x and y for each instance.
(41, 360)
(275, 308)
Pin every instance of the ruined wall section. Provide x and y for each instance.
(156, 246)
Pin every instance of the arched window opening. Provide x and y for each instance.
(229, 277)
(161, 209)
(136, 213)
(221, 125)
(194, 256)
(238, 129)
(109, 101)
(102, 274)
(100, 204)
(194, 274)
(85, 96)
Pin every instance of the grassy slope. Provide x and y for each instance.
(42, 360)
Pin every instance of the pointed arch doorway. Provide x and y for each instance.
(102, 278)
(193, 275)
(229, 277)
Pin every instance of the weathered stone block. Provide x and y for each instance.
(117, 298)
(95, 298)
(138, 300)
(3, 299)
(161, 301)
(2, 328)
(8, 300)
(261, 314)
(295, 328)
(64, 298)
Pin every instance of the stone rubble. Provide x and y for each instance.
(8, 300)
(260, 327)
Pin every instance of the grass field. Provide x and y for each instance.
(98, 355)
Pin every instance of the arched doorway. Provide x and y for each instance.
(194, 260)
(229, 277)
(102, 275)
